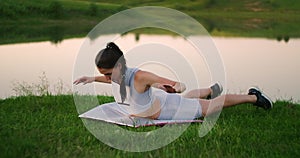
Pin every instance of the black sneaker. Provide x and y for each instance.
(216, 91)
(262, 100)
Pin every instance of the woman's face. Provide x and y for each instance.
(113, 74)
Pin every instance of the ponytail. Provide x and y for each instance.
(123, 92)
(121, 60)
(114, 47)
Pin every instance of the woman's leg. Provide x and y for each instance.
(205, 93)
(254, 96)
(224, 101)
(198, 93)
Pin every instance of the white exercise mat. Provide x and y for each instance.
(114, 113)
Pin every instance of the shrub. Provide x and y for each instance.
(93, 9)
(56, 10)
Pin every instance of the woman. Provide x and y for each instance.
(155, 97)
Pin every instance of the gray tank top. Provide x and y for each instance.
(139, 102)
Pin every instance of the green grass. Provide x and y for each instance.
(39, 20)
(48, 126)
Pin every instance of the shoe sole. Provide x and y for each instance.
(264, 95)
(221, 88)
(219, 92)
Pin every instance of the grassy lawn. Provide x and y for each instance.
(48, 126)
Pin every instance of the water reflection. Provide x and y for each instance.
(56, 34)
(266, 63)
(285, 38)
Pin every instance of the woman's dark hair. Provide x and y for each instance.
(109, 58)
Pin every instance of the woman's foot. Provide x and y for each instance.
(216, 90)
(262, 100)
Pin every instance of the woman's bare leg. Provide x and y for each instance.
(206, 93)
(198, 93)
(224, 101)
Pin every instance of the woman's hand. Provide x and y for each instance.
(179, 87)
(159, 86)
(169, 88)
(84, 80)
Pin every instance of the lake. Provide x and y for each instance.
(267, 63)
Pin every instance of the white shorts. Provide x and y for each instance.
(176, 107)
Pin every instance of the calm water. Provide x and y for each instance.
(269, 64)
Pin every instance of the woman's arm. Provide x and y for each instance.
(86, 79)
(147, 79)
